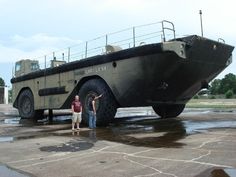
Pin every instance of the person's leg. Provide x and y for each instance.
(77, 125)
(73, 121)
(94, 121)
(78, 120)
(73, 125)
(90, 119)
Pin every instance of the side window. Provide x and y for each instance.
(18, 67)
(34, 66)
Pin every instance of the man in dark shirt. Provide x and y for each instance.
(92, 111)
(76, 108)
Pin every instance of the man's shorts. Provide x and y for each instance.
(76, 117)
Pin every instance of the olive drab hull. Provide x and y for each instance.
(140, 76)
(161, 73)
(166, 77)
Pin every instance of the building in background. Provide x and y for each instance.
(3, 95)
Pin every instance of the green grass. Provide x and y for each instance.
(212, 103)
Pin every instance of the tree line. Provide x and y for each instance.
(2, 83)
(227, 85)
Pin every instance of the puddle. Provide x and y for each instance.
(6, 139)
(208, 110)
(23, 137)
(31, 122)
(61, 120)
(228, 172)
(135, 112)
(72, 146)
(138, 131)
(150, 133)
(154, 132)
(143, 129)
(12, 120)
(8, 172)
(203, 126)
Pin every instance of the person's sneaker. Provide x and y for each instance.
(73, 129)
(78, 129)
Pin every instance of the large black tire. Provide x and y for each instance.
(26, 106)
(168, 110)
(106, 105)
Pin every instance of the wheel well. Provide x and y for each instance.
(85, 79)
(79, 85)
(15, 104)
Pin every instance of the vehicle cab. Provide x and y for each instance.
(25, 66)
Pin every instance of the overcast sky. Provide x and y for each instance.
(31, 28)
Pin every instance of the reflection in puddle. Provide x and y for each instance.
(8, 172)
(229, 172)
(30, 122)
(207, 110)
(135, 112)
(6, 139)
(201, 126)
(138, 131)
(150, 133)
(155, 132)
(143, 129)
(12, 120)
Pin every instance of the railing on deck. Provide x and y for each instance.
(221, 40)
(172, 28)
(127, 38)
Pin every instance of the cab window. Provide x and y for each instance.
(34, 66)
(18, 67)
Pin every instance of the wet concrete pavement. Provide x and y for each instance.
(199, 143)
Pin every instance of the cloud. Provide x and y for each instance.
(41, 41)
(39, 27)
(34, 46)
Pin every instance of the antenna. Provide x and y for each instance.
(200, 12)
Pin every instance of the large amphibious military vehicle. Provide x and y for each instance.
(164, 75)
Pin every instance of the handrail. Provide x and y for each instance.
(222, 40)
(164, 28)
(126, 38)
